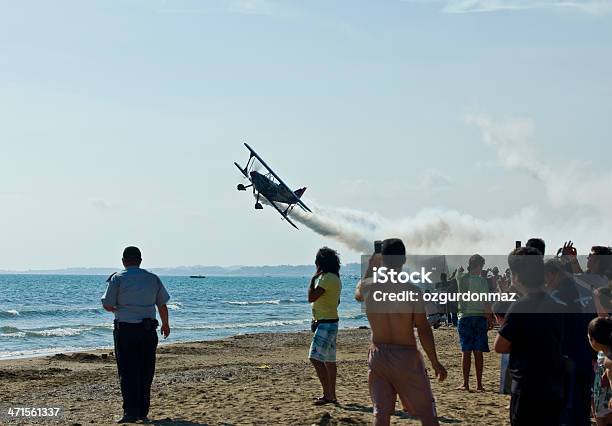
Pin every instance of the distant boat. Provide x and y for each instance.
(197, 276)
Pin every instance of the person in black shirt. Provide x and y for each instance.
(576, 347)
(532, 333)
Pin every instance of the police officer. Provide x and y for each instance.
(132, 295)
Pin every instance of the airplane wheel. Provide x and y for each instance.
(258, 206)
(240, 187)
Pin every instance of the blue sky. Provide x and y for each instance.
(119, 123)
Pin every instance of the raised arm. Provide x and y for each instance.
(569, 255)
(374, 262)
(359, 292)
(315, 292)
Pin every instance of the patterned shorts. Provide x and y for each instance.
(323, 345)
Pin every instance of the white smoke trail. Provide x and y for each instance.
(452, 232)
(565, 186)
(430, 231)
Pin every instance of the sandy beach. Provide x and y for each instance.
(248, 379)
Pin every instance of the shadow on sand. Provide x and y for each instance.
(400, 414)
(175, 422)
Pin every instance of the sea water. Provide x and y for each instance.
(47, 314)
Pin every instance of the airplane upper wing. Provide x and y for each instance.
(242, 170)
(280, 181)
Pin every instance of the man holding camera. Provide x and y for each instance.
(396, 366)
(132, 296)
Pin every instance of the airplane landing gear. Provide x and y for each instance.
(258, 205)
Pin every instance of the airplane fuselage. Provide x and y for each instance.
(271, 190)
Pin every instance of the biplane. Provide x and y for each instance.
(271, 187)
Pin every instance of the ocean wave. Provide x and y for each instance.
(59, 332)
(353, 316)
(9, 313)
(263, 324)
(26, 313)
(261, 302)
(18, 335)
(14, 332)
(7, 331)
(175, 306)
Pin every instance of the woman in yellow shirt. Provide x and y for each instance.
(324, 295)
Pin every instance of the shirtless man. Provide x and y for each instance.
(395, 364)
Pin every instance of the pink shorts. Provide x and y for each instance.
(399, 370)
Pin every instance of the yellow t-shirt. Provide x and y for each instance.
(326, 306)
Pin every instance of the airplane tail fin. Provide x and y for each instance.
(298, 192)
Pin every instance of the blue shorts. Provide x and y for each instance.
(323, 345)
(473, 334)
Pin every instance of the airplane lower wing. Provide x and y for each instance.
(280, 211)
(302, 205)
